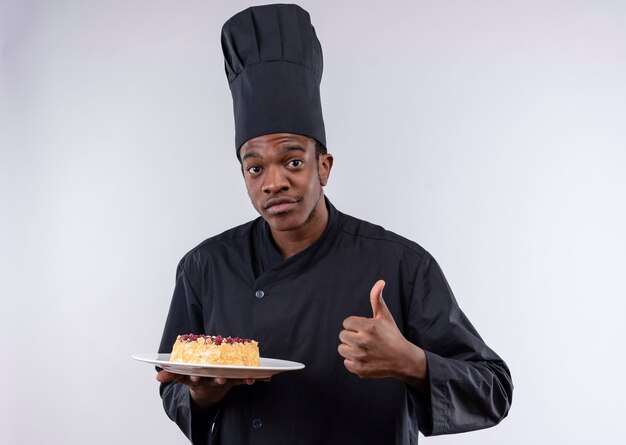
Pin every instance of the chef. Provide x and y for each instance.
(388, 351)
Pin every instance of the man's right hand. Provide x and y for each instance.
(205, 391)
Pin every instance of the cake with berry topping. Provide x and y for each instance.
(215, 350)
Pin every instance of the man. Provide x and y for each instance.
(298, 278)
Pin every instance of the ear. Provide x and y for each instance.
(324, 165)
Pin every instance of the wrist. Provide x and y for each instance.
(202, 398)
(414, 368)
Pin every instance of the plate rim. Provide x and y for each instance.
(149, 358)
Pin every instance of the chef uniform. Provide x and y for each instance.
(238, 284)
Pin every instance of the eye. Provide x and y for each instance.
(295, 163)
(254, 170)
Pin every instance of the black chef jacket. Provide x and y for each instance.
(238, 284)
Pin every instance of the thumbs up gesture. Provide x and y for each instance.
(375, 347)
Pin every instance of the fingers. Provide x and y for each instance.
(379, 308)
(198, 381)
(353, 367)
(165, 377)
(355, 323)
(349, 337)
(348, 352)
(353, 346)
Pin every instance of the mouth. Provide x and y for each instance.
(280, 205)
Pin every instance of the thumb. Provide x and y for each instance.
(379, 308)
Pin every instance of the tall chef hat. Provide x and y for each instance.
(273, 62)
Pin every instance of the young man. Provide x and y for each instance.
(298, 278)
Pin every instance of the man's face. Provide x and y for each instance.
(284, 179)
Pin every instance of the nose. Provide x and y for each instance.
(275, 181)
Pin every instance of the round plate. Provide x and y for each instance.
(269, 367)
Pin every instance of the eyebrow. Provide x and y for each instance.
(285, 149)
(289, 148)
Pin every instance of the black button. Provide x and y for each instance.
(259, 294)
(256, 423)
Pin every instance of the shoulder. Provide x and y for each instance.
(220, 244)
(379, 237)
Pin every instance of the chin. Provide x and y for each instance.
(284, 223)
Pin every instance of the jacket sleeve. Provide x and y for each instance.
(185, 317)
(470, 385)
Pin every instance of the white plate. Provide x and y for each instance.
(269, 367)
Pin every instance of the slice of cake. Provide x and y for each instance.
(215, 350)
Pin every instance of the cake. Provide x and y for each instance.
(215, 350)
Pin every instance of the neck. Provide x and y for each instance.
(292, 242)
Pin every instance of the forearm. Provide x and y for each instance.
(193, 420)
(480, 391)
(176, 402)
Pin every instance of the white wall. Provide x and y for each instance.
(491, 132)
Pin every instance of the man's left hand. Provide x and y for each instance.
(375, 347)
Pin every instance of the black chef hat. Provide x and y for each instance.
(274, 67)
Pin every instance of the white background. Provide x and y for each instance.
(493, 133)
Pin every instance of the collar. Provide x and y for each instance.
(269, 263)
